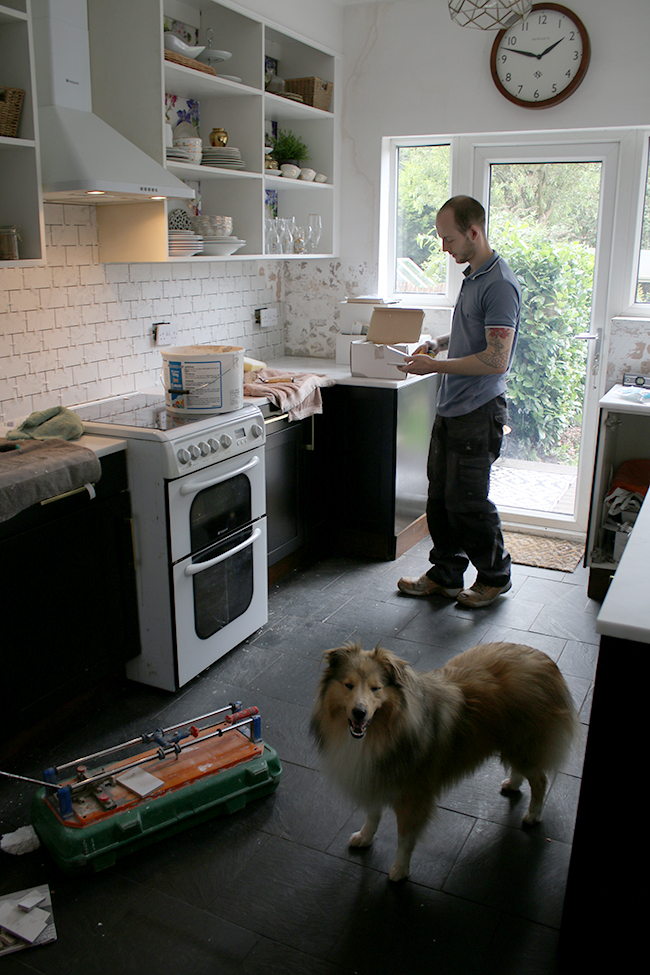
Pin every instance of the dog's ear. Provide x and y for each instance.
(339, 655)
(392, 665)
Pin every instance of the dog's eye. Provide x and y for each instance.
(349, 686)
(375, 689)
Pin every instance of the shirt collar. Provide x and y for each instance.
(483, 269)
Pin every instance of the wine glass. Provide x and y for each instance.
(315, 228)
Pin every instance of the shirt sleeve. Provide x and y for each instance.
(501, 304)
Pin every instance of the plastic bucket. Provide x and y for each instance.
(203, 379)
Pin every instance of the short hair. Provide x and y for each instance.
(467, 211)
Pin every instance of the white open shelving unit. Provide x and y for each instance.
(21, 203)
(129, 83)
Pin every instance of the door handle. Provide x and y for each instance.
(196, 567)
(596, 337)
(200, 485)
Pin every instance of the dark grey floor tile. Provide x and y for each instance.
(560, 619)
(272, 958)
(295, 896)
(405, 927)
(440, 626)
(521, 947)
(518, 871)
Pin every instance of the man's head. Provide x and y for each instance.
(461, 227)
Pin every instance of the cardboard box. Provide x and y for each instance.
(390, 325)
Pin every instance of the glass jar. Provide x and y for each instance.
(9, 238)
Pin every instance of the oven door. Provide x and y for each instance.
(220, 598)
(217, 527)
(208, 505)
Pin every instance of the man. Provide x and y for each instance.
(466, 438)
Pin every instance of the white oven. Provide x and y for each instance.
(198, 497)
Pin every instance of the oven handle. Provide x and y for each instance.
(200, 485)
(196, 567)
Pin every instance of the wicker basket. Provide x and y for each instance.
(189, 62)
(11, 102)
(314, 91)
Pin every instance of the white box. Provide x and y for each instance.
(343, 343)
(390, 325)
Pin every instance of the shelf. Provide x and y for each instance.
(20, 188)
(243, 109)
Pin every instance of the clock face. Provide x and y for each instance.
(542, 59)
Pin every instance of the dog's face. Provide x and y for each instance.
(358, 683)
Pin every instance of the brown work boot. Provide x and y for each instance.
(424, 586)
(481, 595)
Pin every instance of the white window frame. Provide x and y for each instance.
(465, 149)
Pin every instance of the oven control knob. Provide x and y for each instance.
(225, 440)
(204, 448)
(213, 444)
(184, 456)
(194, 451)
(256, 430)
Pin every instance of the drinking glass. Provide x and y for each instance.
(315, 228)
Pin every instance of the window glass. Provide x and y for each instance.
(643, 277)
(423, 176)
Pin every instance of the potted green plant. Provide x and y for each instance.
(289, 148)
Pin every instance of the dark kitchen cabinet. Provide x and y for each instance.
(298, 468)
(379, 494)
(69, 597)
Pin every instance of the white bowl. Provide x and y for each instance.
(222, 249)
(290, 171)
(320, 178)
(307, 174)
(193, 146)
(175, 44)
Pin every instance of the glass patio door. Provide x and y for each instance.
(550, 214)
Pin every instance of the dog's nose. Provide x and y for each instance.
(359, 714)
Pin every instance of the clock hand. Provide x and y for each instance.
(526, 54)
(540, 56)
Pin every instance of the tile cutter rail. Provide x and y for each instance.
(190, 772)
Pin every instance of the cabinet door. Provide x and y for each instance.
(69, 586)
(284, 494)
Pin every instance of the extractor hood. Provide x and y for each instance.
(84, 160)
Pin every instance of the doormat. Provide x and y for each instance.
(543, 552)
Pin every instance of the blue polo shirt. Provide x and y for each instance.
(489, 296)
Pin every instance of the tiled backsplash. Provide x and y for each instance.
(77, 330)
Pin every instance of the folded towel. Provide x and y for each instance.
(300, 398)
(43, 469)
(53, 422)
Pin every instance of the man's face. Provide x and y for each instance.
(461, 246)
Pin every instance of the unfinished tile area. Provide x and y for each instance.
(274, 888)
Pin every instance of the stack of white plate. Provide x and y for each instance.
(184, 243)
(221, 246)
(177, 154)
(226, 157)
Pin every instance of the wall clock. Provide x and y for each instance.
(541, 60)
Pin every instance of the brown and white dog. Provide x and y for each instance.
(391, 736)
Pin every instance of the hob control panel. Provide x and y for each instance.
(201, 449)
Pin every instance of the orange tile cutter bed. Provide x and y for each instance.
(187, 774)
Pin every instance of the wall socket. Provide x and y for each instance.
(266, 317)
(165, 334)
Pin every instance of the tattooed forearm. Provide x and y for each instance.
(497, 353)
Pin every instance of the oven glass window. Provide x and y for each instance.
(216, 511)
(223, 592)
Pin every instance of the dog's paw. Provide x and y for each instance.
(358, 839)
(398, 872)
(531, 818)
(511, 784)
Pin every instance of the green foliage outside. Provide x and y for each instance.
(546, 383)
